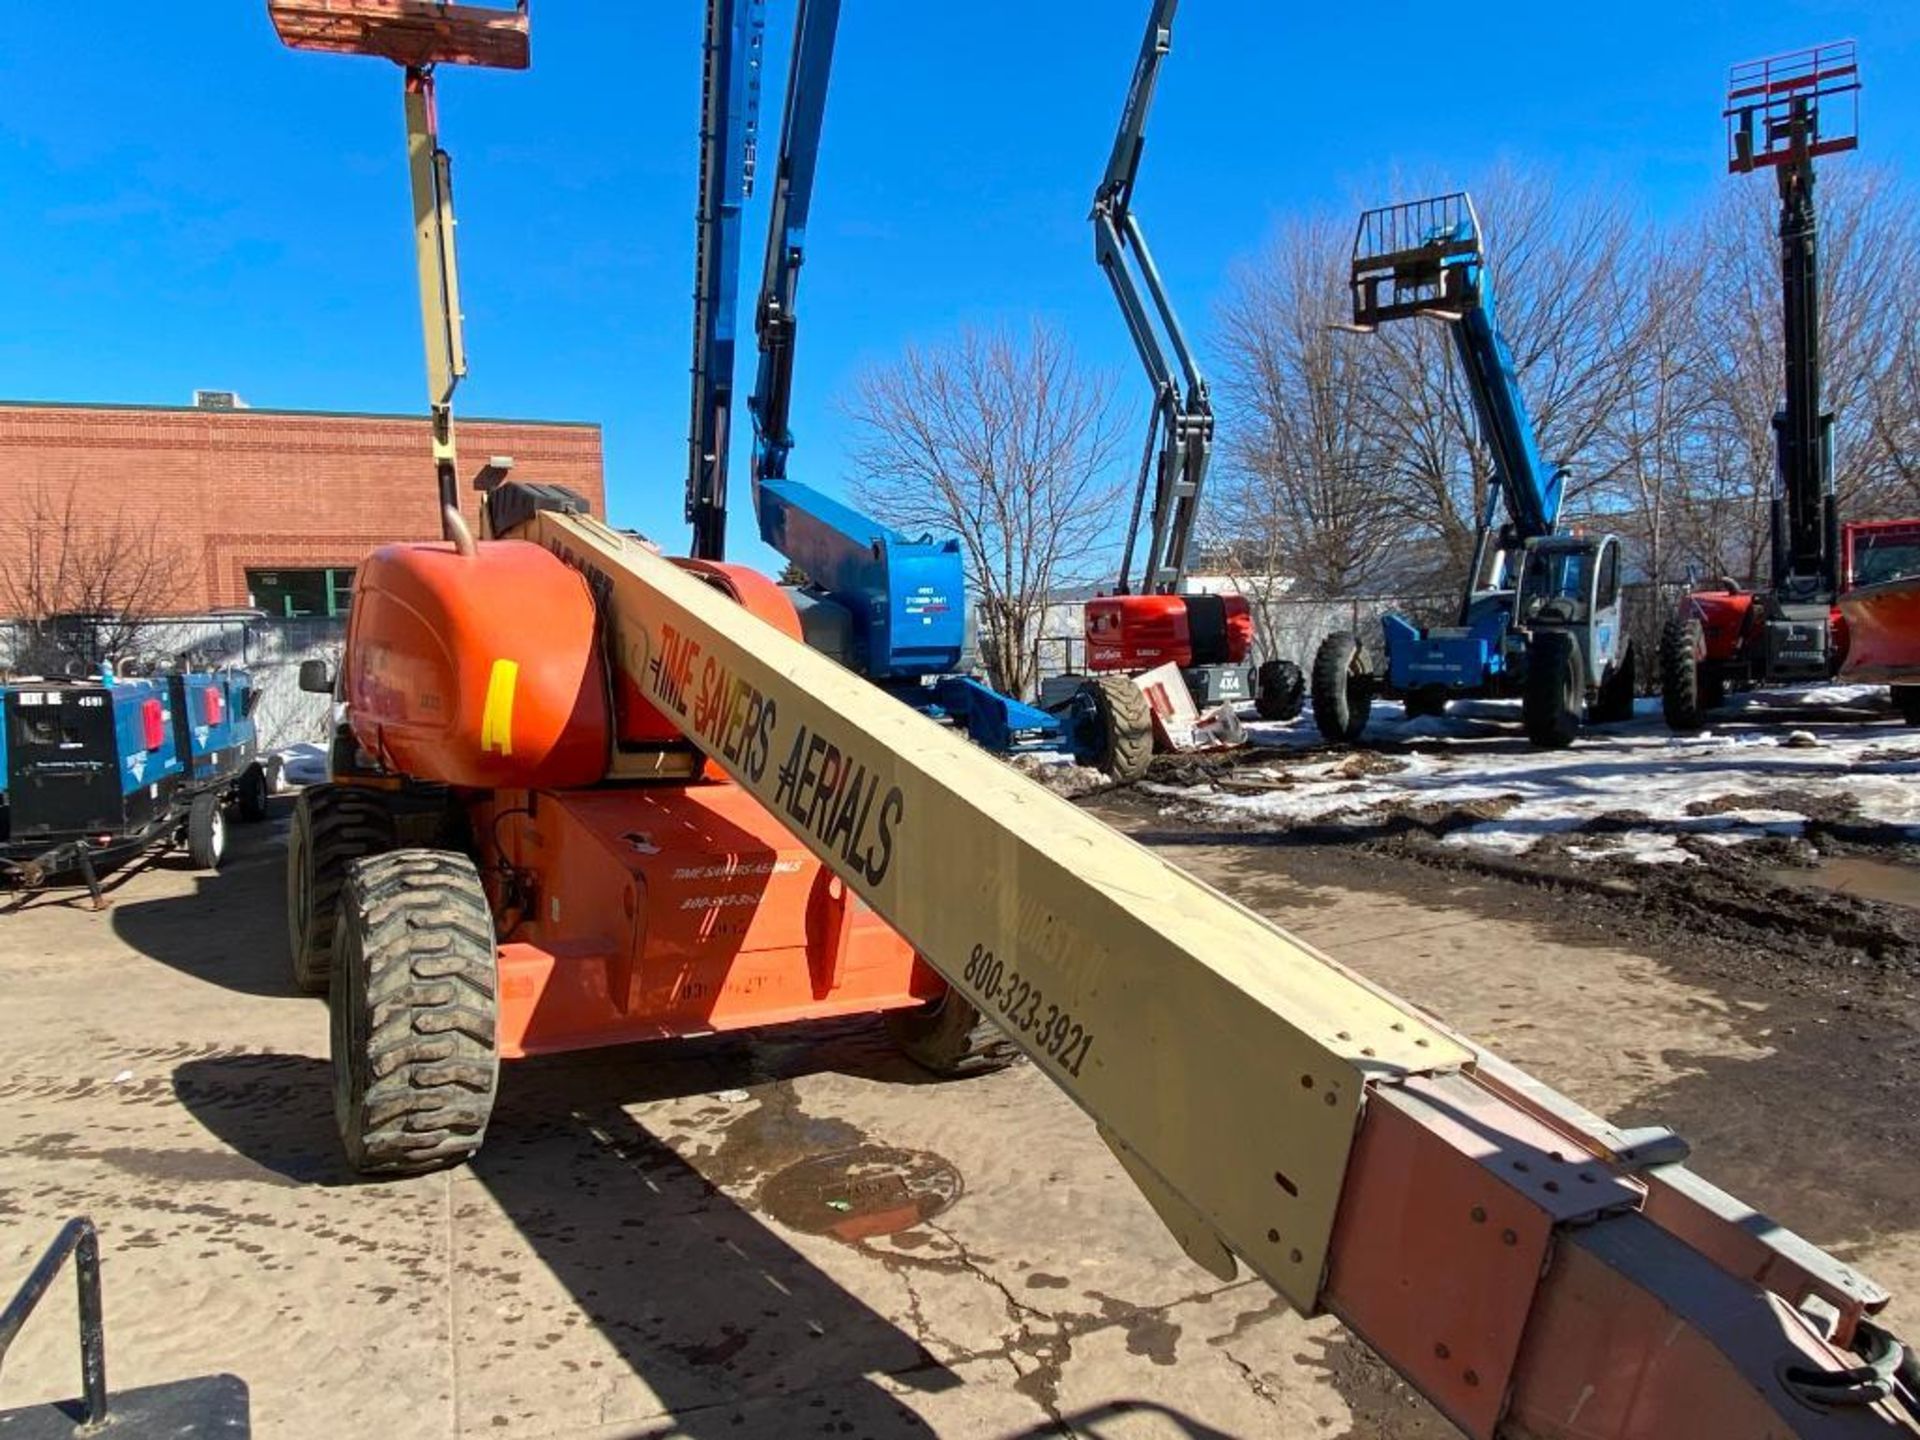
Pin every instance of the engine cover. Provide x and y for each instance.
(480, 671)
(1138, 632)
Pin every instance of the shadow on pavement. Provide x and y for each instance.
(276, 1110)
(232, 930)
(734, 1331)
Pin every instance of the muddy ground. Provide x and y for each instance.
(792, 1233)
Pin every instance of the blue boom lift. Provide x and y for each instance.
(1541, 616)
(889, 606)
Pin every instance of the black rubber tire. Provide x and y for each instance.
(1680, 688)
(1279, 691)
(251, 805)
(1342, 689)
(1614, 703)
(950, 1038)
(206, 831)
(1713, 691)
(1427, 700)
(1556, 691)
(333, 825)
(1121, 721)
(1906, 699)
(414, 1015)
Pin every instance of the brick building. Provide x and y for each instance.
(270, 508)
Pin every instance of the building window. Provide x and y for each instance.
(288, 593)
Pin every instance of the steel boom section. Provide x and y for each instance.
(1505, 1250)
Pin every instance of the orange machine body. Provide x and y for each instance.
(477, 671)
(1139, 632)
(624, 912)
(659, 910)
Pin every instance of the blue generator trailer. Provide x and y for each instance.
(99, 768)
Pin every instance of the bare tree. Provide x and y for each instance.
(1302, 476)
(1009, 443)
(1649, 441)
(1869, 294)
(1896, 411)
(67, 563)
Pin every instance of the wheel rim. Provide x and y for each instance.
(217, 834)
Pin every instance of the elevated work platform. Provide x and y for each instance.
(1793, 106)
(1422, 257)
(407, 32)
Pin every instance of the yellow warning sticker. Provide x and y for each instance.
(496, 720)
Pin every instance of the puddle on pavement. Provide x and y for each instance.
(1883, 880)
(773, 1135)
(860, 1193)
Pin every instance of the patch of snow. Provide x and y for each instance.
(1644, 847)
(1733, 778)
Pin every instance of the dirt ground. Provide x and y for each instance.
(647, 1246)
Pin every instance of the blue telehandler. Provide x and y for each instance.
(890, 606)
(1541, 616)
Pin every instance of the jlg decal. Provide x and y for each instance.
(839, 801)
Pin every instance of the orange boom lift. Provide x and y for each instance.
(612, 885)
(642, 806)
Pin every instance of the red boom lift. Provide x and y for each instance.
(1782, 113)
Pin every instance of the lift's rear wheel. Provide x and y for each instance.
(1906, 699)
(1615, 701)
(333, 826)
(1425, 701)
(1342, 688)
(1279, 690)
(1116, 727)
(414, 1016)
(950, 1037)
(1556, 690)
(206, 831)
(1682, 699)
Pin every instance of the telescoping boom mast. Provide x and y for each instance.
(1182, 419)
(729, 120)
(1428, 258)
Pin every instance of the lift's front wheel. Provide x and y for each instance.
(1556, 691)
(251, 802)
(1342, 689)
(1906, 699)
(1114, 727)
(414, 1013)
(1428, 701)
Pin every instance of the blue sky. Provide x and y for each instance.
(196, 206)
